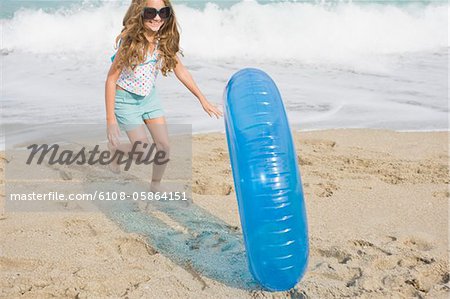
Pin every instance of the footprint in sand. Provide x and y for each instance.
(205, 187)
(302, 161)
(441, 194)
(326, 189)
(79, 227)
(414, 261)
(345, 275)
(134, 247)
(366, 247)
(341, 256)
(208, 239)
(418, 244)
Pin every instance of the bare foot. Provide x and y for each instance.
(113, 166)
(143, 207)
(157, 187)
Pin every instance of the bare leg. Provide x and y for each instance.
(114, 165)
(160, 135)
(137, 134)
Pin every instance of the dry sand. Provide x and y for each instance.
(377, 204)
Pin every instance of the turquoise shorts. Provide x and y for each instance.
(131, 109)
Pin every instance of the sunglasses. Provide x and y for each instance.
(149, 13)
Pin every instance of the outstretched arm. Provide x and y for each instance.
(110, 93)
(185, 77)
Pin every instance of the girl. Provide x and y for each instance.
(149, 42)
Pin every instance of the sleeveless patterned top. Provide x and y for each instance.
(142, 80)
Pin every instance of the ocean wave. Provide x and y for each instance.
(344, 33)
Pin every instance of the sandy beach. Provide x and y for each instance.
(377, 204)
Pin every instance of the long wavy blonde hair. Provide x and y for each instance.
(133, 43)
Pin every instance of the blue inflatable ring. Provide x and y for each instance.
(266, 179)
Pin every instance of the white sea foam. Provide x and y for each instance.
(358, 36)
(341, 66)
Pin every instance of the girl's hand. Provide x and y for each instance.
(113, 133)
(211, 110)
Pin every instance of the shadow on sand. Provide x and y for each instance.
(206, 244)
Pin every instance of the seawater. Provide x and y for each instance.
(338, 64)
